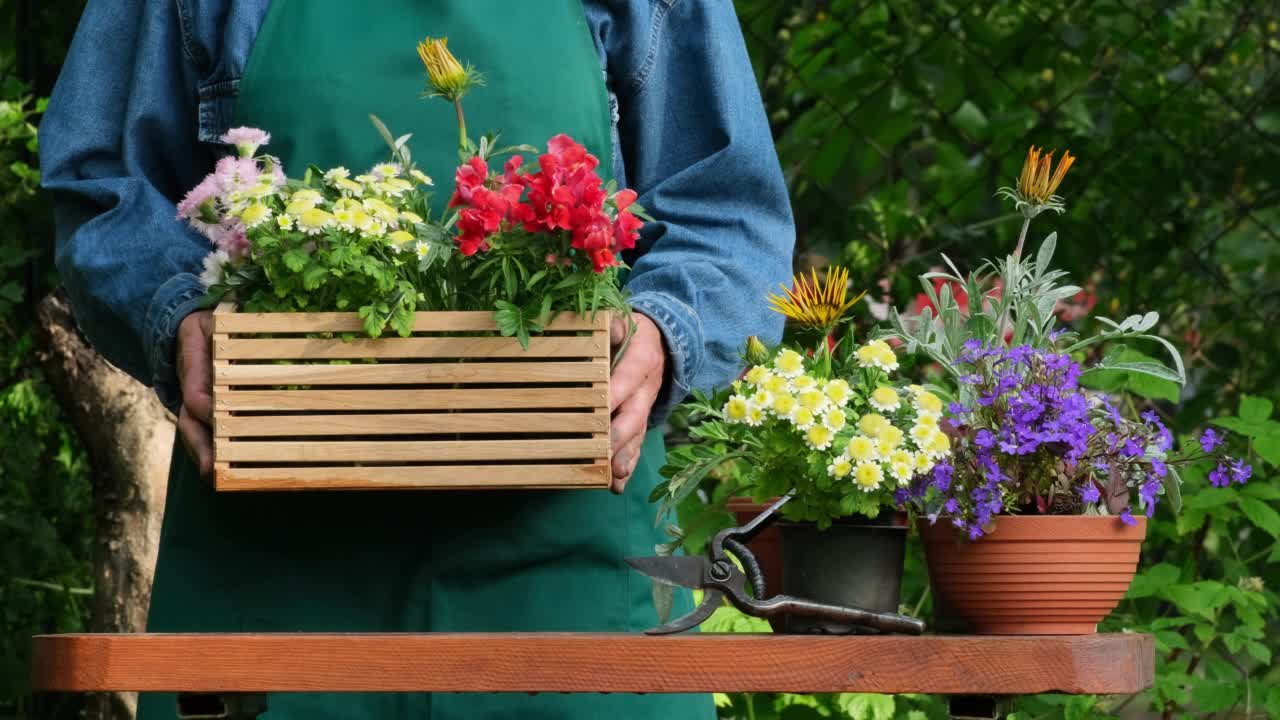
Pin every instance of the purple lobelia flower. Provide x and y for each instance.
(1210, 440)
(1149, 491)
(1090, 494)
(1159, 468)
(1219, 476)
(1240, 472)
(942, 475)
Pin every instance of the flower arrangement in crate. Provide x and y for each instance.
(532, 249)
(1053, 467)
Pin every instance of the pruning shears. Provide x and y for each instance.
(719, 578)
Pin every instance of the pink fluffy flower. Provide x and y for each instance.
(247, 140)
(231, 238)
(236, 174)
(199, 207)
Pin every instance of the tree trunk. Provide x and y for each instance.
(128, 435)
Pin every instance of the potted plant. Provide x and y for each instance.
(496, 369)
(1034, 524)
(828, 422)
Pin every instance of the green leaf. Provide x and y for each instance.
(1172, 483)
(1202, 598)
(1210, 696)
(864, 706)
(1268, 448)
(1262, 491)
(1262, 515)
(1258, 652)
(1169, 640)
(1254, 409)
(509, 276)
(1044, 258)
(1154, 581)
(1126, 369)
(314, 276)
(296, 259)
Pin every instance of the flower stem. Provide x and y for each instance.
(1022, 236)
(462, 128)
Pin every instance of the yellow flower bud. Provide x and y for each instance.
(757, 353)
(447, 76)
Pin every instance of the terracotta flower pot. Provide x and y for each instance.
(1034, 574)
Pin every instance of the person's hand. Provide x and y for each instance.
(634, 386)
(195, 377)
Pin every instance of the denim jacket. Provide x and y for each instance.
(150, 85)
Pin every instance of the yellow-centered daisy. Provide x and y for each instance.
(884, 399)
(735, 410)
(840, 467)
(871, 423)
(819, 437)
(868, 476)
(862, 449)
(789, 363)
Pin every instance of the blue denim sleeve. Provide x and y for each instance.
(118, 146)
(697, 148)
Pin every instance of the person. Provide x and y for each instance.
(661, 91)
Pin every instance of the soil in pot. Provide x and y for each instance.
(856, 563)
(1034, 574)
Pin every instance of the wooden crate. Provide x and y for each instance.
(453, 406)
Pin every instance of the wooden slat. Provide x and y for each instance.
(416, 347)
(411, 450)
(534, 662)
(451, 399)
(414, 373)
(412, 424)
(451, 477)
(235, 322)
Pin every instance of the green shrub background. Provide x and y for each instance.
(895, 122)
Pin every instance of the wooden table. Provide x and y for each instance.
(245, 664)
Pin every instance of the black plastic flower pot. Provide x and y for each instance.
(856, 563)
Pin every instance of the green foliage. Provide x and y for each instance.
(894, 120)
(1022, 310)
(786, 706)
(1208, 590)
(46, 523)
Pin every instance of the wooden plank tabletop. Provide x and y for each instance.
(590, 662)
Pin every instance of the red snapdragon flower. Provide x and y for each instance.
(564, 195)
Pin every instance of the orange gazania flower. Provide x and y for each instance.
(1036, 185)
(813, 304)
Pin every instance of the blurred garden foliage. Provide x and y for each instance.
(46, 522)
(895, 122)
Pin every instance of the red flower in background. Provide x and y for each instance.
(1074, 308)
(565, 194)
(1077, 306)
(958, 291)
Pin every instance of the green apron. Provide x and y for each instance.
(424, 561)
